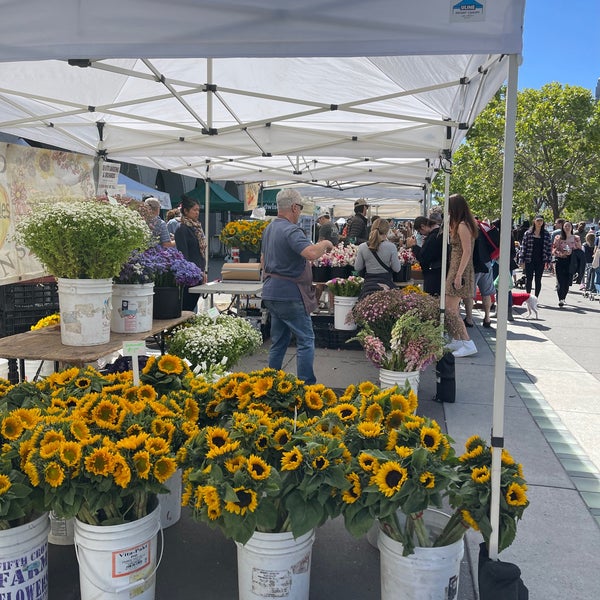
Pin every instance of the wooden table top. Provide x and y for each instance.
(45, 344)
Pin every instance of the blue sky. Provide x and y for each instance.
(561, 42)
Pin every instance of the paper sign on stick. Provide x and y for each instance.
(134, 349)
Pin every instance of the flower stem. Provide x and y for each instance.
(455, 529)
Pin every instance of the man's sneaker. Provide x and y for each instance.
(467, 348)
(561, 303)
(454, 345)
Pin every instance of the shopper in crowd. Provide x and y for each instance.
(191, 242)
(327, 229)
(429, 254)
(288, 293)
(535, 254)
(588, 249)
(519, 232)
(460, 280)
(357, 226)
(377, 259)
(158, 227)
(562, 249)
(580, 255)
(173, 220)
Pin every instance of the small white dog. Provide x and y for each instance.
(532, 307)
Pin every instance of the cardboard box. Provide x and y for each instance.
(241, 272)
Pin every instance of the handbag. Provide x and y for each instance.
(397, 276)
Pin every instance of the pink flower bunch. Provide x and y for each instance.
(342, 255)
(406, 256)
(323, 261)
(374, 350)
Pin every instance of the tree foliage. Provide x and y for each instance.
(557, 156)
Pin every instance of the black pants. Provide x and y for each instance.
(564, 277)
(534, 269)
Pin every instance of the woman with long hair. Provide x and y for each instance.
(535, 254)
(191, 242)
(563, 247)
(377, 258)
(460, 280)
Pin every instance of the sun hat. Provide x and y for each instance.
(323, 213)
(360, 202)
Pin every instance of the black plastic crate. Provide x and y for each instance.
(338, 338)
(24, 304)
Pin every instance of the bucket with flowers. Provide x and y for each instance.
(83, 243)
(345, 295)
(400, 332)
(100, 449)
(246, 236)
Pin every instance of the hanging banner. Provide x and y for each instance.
(251, 200)
(27, 176)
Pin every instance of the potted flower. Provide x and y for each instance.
(100, 449)
(224, 340)
(321, 268)
(345, 295)
(171, 272)
(407, 258)
(83, 243)
(415, 343)
(246, 235)
(264, 472)
(342, 257)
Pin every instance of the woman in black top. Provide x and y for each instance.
(429, 254)
(535, 254)
(191, 242)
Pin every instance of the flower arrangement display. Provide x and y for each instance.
(96, 446)
(471, 492)
(83, 239)
(349, 287)
(380, 310)
(343, 255)
(406, 256)
(243, 234)
(166, 267)
(223, 340)
(414, 344)
(265, 463)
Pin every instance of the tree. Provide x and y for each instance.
(557, 156)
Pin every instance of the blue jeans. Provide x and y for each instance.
(289, 318)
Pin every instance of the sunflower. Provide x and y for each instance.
(473, 442)
(169, 364)
(29, 416)
(430, 438)
(427, 479)
(164, 467)
(146, 393)
(374, 413)
(99, 462)
(346, 411)
(481, 474)
(394, 419)
(261, 443)
(515, 495)
(235, 464)
(291, 460)
(31, 471)
(469, 520)
(247, 501)
(403, 451)
(507, 460)
(368, 463)
(284, 387)
(142, 463)
(191, 410)
(369, 430)
(320, 463)
(471, 454)
(257, 468)
(281, 437)
(313, 400)
(390, 477)
(392, 439)
(54, 474)
(132, 442)
(12, 428)
(366, 388)
(70, 453)
(108, 414)
(156, 445)
(262, 386)
(5, 484)
(351, 495)
(223, 450)
(121, 472)
(83, 383)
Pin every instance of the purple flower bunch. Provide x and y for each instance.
(380, 310)
(167, 267)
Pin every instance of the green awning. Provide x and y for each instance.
(220, 200)
(268, 200)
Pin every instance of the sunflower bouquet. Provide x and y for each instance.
(98, 447)
(243, 234)
(267, 463)
(471, 492)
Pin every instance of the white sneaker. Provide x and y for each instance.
(453, 345)
(467, 348)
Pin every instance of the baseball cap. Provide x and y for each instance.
(322, 213)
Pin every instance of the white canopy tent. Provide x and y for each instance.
(262, 104)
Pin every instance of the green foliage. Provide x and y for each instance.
(556, 159)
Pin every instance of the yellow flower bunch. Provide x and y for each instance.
(471, 493)
(48, 321)
(243, 234)
(97, 446)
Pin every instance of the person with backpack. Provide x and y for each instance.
(429, 254)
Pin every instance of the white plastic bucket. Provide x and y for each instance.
(342, 306)
(62, 531)
(170, 503)
(428, 574)
(118, 561)
(24, 560)
(275, 565)
(388, 379)
(132, 307)
(85, 311)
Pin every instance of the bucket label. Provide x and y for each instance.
(25, 577)
(271, 584)
(126, 562)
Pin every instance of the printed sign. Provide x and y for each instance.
(126, 562)
(467, 10)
